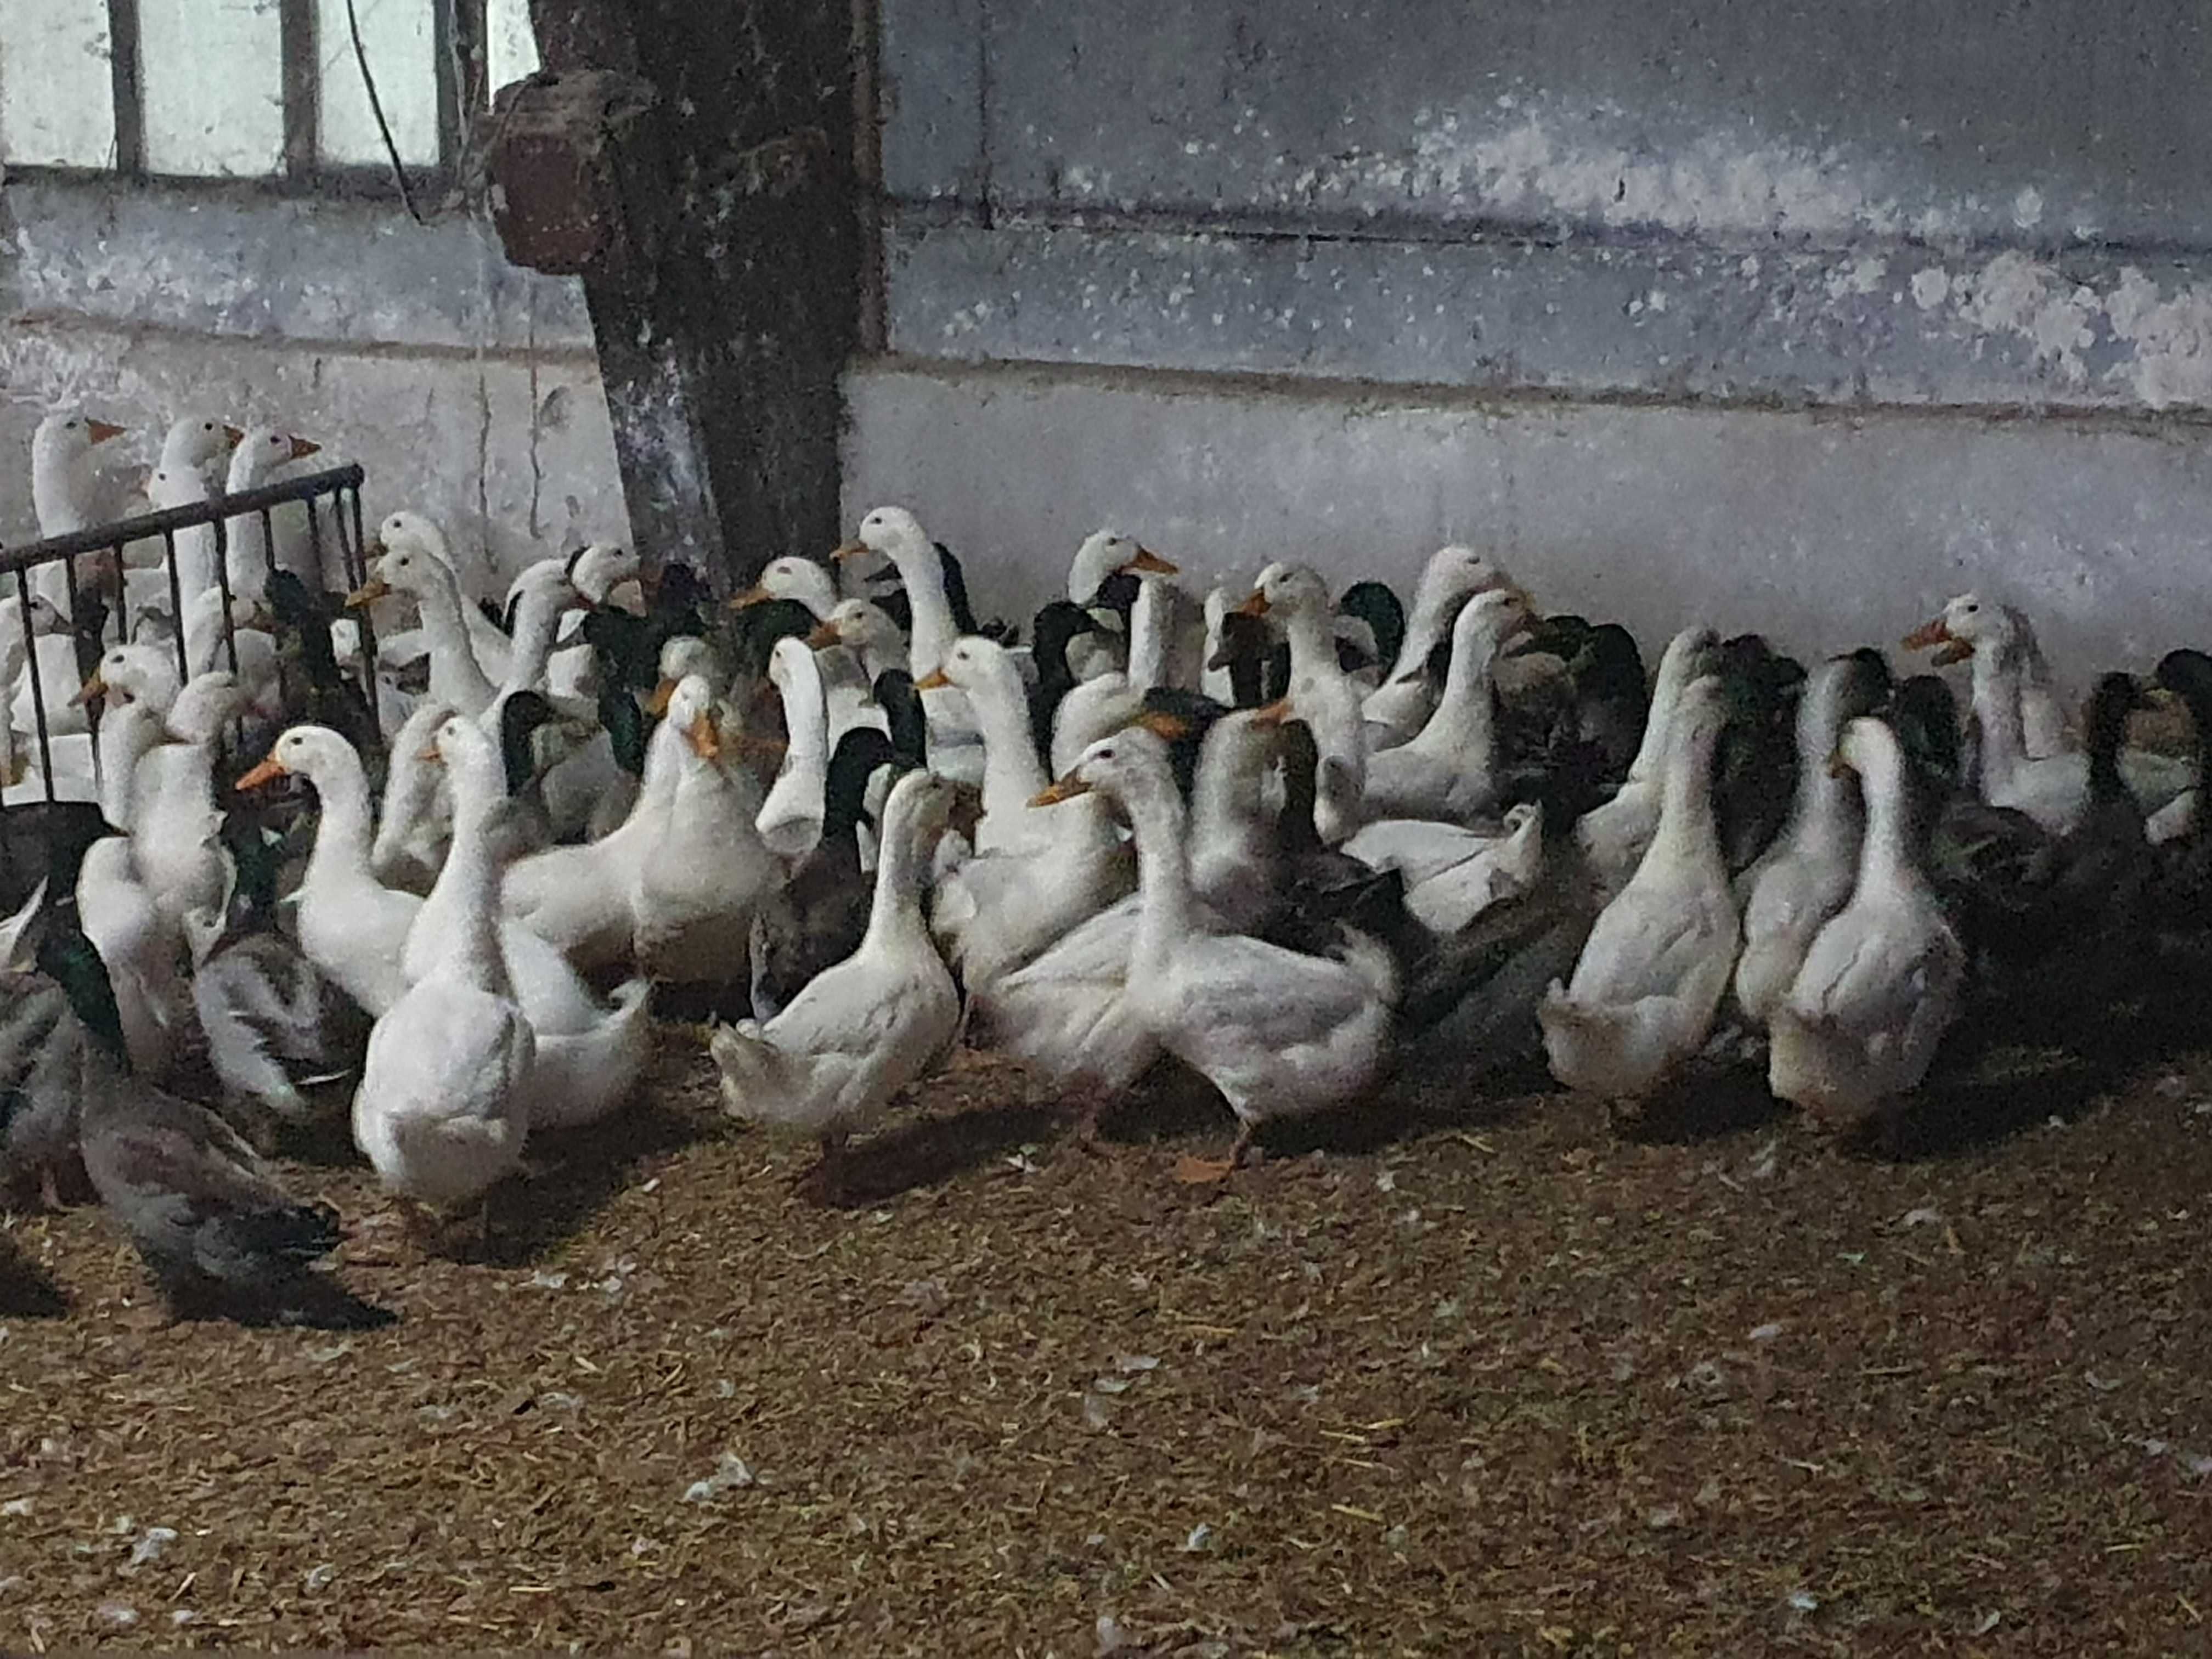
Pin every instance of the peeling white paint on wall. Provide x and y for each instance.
(1551, 168)
(2018, 295)
(2171, 337)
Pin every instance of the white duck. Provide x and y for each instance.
(414, 533)
(1447, 770)
(694, 897)
(139, 684)
(1321, 693)
(1650, 978)
(810, 581)
(1038, 872)
(356, 930)
(1969, 622)
(1805, 877)
(173, 815)
(1399, 707)
(51, 656)
(1453, 874)
(1281, 1034)
(443, 1110)
(1614, 836)
(1066, 1014)
(417, 818)
(142, 947)
(2053, 789)
(1108, 701)
(855, 643)
(790, 820)
(65, 496)
(585, 1065)
(867, 1028)
(263, 452)
(409, 566)
(583, 898)
(1881, 983)
(895, 534)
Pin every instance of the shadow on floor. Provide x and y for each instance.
(28, 1290)
(574, 1174)
(929, 1150)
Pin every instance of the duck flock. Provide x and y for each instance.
(1297, 845)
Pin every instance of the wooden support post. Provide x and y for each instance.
(695, 163)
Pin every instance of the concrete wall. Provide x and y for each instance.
(466, 388)
(1799, 315)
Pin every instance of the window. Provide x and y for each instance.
(250, 88)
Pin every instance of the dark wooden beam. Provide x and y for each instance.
(123, 79)
(726, 293)
(303, 114)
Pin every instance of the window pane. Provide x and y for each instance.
(57, 98)
(213, 83)
(400, 37)
(513, 51)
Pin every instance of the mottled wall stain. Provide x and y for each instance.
(465, 388)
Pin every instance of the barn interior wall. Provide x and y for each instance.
(1804, 317)
(467, 388)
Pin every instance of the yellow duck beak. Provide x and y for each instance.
(1067, 789)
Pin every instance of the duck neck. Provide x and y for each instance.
(805, 713)
(341, 825)
(1313, 647)
(1228, 825)
(934, 630)
(455, 675)
(1465, 723)
(1433, 613)
(1659, 719)
(1012, 773)
(894, 918)
(1885, 855)
(1150, 628)
(536, 619)
(1997, 709)
(466, 894)
(1688, 832)
(1827, 806)
(61, 492)
(1166, 908)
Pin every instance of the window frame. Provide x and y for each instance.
(460, 55)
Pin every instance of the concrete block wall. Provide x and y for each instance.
(1797, 317)
(467, 389)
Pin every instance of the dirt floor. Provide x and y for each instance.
(1496, 1379)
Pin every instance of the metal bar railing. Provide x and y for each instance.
(341, 485)
(216, 508)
